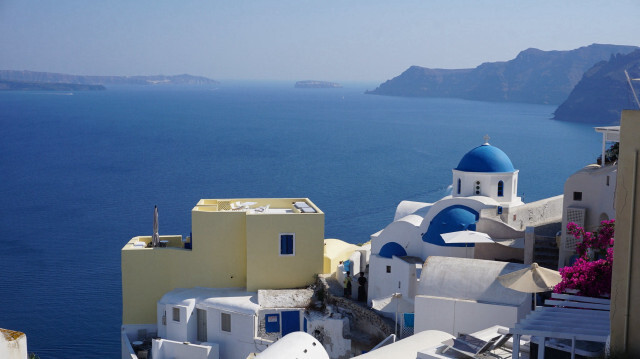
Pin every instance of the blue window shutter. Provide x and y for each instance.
(500, 189)
(272, 323)
(408, 320)
(286, 244)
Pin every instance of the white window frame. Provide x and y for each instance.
(280, 244)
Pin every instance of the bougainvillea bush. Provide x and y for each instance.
(590, 275)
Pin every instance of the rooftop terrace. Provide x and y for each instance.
(166, 242)
(258, 205)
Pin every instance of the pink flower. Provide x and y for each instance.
(590, 276)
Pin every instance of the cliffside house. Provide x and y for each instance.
(251, 244)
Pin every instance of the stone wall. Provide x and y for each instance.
(534, 214)
(360, 317)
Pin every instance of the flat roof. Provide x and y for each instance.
(609, 133)
(259, 205)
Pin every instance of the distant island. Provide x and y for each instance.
(46, 86)
(603, 92)
(49, 77)
(309, 84)
(534, 76)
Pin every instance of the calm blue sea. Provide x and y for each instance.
(81, 173)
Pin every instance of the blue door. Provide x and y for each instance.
(290, 322)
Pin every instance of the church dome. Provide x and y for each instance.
(451, 219)
(485, 158)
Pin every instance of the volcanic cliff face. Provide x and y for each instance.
(603, 92)
(534, 76)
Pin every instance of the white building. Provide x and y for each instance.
(484, 198)
(589, 196)
(213, 323)
(223, 319)
(461, 295)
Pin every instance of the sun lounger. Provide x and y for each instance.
(470, 345)
(501, 341)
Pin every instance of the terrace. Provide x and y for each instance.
(166, 242)
(258, 205)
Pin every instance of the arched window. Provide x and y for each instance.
(500, 189)
(459, 185)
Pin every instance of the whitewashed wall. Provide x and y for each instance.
(13, 349)
(183, 330)
(382, 283)
(332, 332)
(488, 186)
(163, 348)
(235, 344)
(456, 316)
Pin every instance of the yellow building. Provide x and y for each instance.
(625, 283)
(335, 252)
(265, 243)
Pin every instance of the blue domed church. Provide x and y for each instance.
(483, 199)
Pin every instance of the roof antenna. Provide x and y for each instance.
(633, 91)
(486, 140)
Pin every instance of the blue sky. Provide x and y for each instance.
(334, 40)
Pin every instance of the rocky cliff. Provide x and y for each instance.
(534, 76)
(603, 92)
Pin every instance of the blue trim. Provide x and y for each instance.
(451, 219)
(290, 321)
(272, 323)
(286, 244)
(500, 189)
(347, 266)
(408, 320)
(392, 249)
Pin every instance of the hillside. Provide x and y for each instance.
(49, 77)
(50, 86)
(534, 76)
(603, 92)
